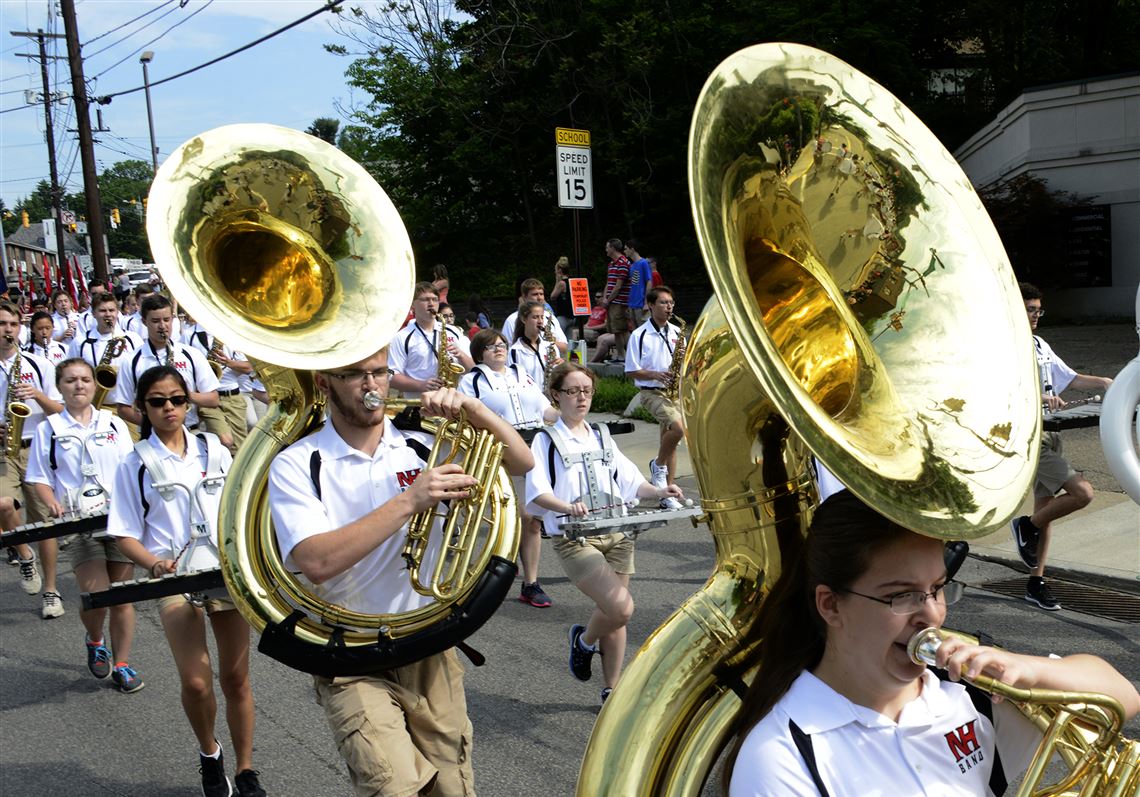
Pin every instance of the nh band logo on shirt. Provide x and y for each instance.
(405, 478)
(963, 743)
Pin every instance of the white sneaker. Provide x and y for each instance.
(669, 502)
(30, 576)
(53, 606)
(658, 475)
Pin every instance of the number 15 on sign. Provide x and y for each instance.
(572, 168)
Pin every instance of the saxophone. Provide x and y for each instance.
(217, 349)
(551, 358)
(448, 371)
(673, 381)
(107, 375)
(15, 412)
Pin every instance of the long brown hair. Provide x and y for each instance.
(845, 536)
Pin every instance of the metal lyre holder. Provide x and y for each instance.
(1082, 728)
(1074, 415)
(630, 525)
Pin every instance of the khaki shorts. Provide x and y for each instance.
(85, 549)
(213, 605)
(398, 730)
(1053, 470)
(12, 484)
(617, 318)
(583, 556)
(665, 411)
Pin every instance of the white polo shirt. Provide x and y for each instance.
(55, 352)
(196, 336)
(1056, 376)
(94, 346)
(530, 359)
(413, 351)
(352, 484)
(61, 323)
(939, 747)
(512, 319)
(139, 512)
(37, 372)
(188, 361)
(57, 457)
(621, 476)
(650, 348)
(512, 394)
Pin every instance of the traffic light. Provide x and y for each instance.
(115, 219)
(24, 219)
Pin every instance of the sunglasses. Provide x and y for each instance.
(158, 402)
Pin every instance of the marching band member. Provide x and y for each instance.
(514, 396)
(649, 356)
(34, 385)
(413, 352)
(532, 290)
(70, 440)
(228, 421)
(578, 470)
(128, 309)
(65, 321)
(839, 687)
(158, 314)
(152, 515)
(105, 312)
(531, 349)
(41, 343)
(341, 501)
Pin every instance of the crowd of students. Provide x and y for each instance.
(341, 499)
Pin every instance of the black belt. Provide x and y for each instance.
(227, 393)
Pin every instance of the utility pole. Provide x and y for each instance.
(86, 142)
(56, 191)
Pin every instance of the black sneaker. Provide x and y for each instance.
(1037, 591)
(579, 656)
(247, 783)
(534, 595)
(214, 780)
(13, 557)
(606, 694)
(1025, 538)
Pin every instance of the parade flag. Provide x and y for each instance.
(48, 285)
(82, 276)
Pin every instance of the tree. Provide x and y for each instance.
(324, 128)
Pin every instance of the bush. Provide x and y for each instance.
(613, 395)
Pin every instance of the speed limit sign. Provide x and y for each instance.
(572, 168)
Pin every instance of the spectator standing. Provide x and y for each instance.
(640, 278)
(615, 298)
(560, 296)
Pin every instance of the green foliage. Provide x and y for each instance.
(613, 394)
(460, 104)
(324, 128)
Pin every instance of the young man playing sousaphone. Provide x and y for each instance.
(653, 361)
(341, 499)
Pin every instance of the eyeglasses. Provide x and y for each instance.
(574, 391)
(500, 346)
(912, 602)
(1036, 312)
(158, 402)
(358, 377)
(447, 316)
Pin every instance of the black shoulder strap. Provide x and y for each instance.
(142, 494)
(475, 381)
(422, 451)
(984, 706)
(315, 471)
(51, 452)
(39, 373)
(135, 364)
(550, 457)
(807, 752)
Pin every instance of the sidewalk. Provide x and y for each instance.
(1101, 541)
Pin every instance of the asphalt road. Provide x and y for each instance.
(63, 733)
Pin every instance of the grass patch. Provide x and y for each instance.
(643, 414)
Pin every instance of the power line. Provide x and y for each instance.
(135, 32)
(329, 6)
(156, 38)
(129, 22)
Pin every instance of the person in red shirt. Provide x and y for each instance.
(615, 298)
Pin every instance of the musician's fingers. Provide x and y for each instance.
(675, 491)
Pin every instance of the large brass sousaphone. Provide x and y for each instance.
(289, 251)
(865, 313)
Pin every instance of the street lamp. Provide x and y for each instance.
(145, 59)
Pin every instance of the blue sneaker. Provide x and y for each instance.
(98, 659)
(126, 679)
(580, 656)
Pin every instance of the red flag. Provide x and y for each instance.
(82, 276)
(49, 287)
(71, 281)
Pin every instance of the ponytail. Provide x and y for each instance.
(844, 537)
